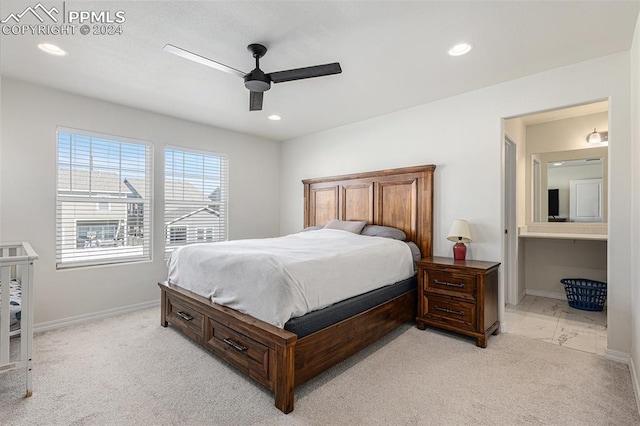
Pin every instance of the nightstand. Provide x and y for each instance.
(459, 295)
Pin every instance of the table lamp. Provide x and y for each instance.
(459, 234)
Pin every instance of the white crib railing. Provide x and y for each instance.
(16, 262)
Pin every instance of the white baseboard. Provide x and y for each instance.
(548, 294)
(635, 381)
(521, 296)
(50, 325)
(616, 356)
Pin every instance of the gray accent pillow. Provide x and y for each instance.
(384, 231)
(354, 226)
(415, 250)
(312, 228)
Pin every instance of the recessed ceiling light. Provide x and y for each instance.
(52, 49)
(460, 49)
(274, 117)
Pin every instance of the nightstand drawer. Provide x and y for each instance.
(185, 317)
(454, 284)
(452, 312)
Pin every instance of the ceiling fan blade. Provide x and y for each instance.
(201, 60)
(307, 72)
(255, 101)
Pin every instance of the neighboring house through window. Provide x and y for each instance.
(195, 189)
(177, 234)
(103, 199)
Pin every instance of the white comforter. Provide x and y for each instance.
(275, 279)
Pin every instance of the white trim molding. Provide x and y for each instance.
(548, 294)
(51, 325)
(635, 381)
(617, 356)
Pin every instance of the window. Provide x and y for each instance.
(205, 234)
(92, 233)
(177, 234)
(103, 199)
(195, 192)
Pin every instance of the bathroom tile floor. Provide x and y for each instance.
(554, 321)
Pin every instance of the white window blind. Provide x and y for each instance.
(103, 199)
(196, 195)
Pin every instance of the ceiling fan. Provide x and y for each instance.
(257, 81)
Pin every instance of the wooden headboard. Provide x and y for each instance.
(402, 198)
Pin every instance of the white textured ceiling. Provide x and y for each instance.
(393, 54)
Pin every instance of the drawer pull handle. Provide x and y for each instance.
(449, 311)
(459, 285)
(184, 316)
(234, 345)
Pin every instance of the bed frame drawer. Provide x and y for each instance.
(185, 317)
(250, 356)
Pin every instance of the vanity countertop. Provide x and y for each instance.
(556, 235)
(565, 231)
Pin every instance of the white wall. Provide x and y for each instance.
(548, 260)
(462, 135)
(1, 239)
(635, 160)
(30, 115)
(565, 134)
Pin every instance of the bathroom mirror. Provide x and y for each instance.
(570, 186)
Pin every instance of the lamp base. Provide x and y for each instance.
(459, 251)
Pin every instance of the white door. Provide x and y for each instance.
(510, 224)
(585, 200)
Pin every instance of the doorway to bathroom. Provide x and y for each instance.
(553, 238)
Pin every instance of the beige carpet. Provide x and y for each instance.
(127, 370)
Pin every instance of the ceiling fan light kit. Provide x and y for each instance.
(257, 81)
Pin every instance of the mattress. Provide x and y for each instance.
(15, 296)
(322, 318)
(276, 279)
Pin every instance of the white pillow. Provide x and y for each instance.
(354, 226)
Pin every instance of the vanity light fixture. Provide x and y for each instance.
(274, 117)
(52, 49)
(597, 137)
(460, 49)
(594, 137)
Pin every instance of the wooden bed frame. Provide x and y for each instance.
(276, 358)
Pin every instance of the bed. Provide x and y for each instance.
(282, 359)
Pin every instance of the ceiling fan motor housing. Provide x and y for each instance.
(257, 81)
